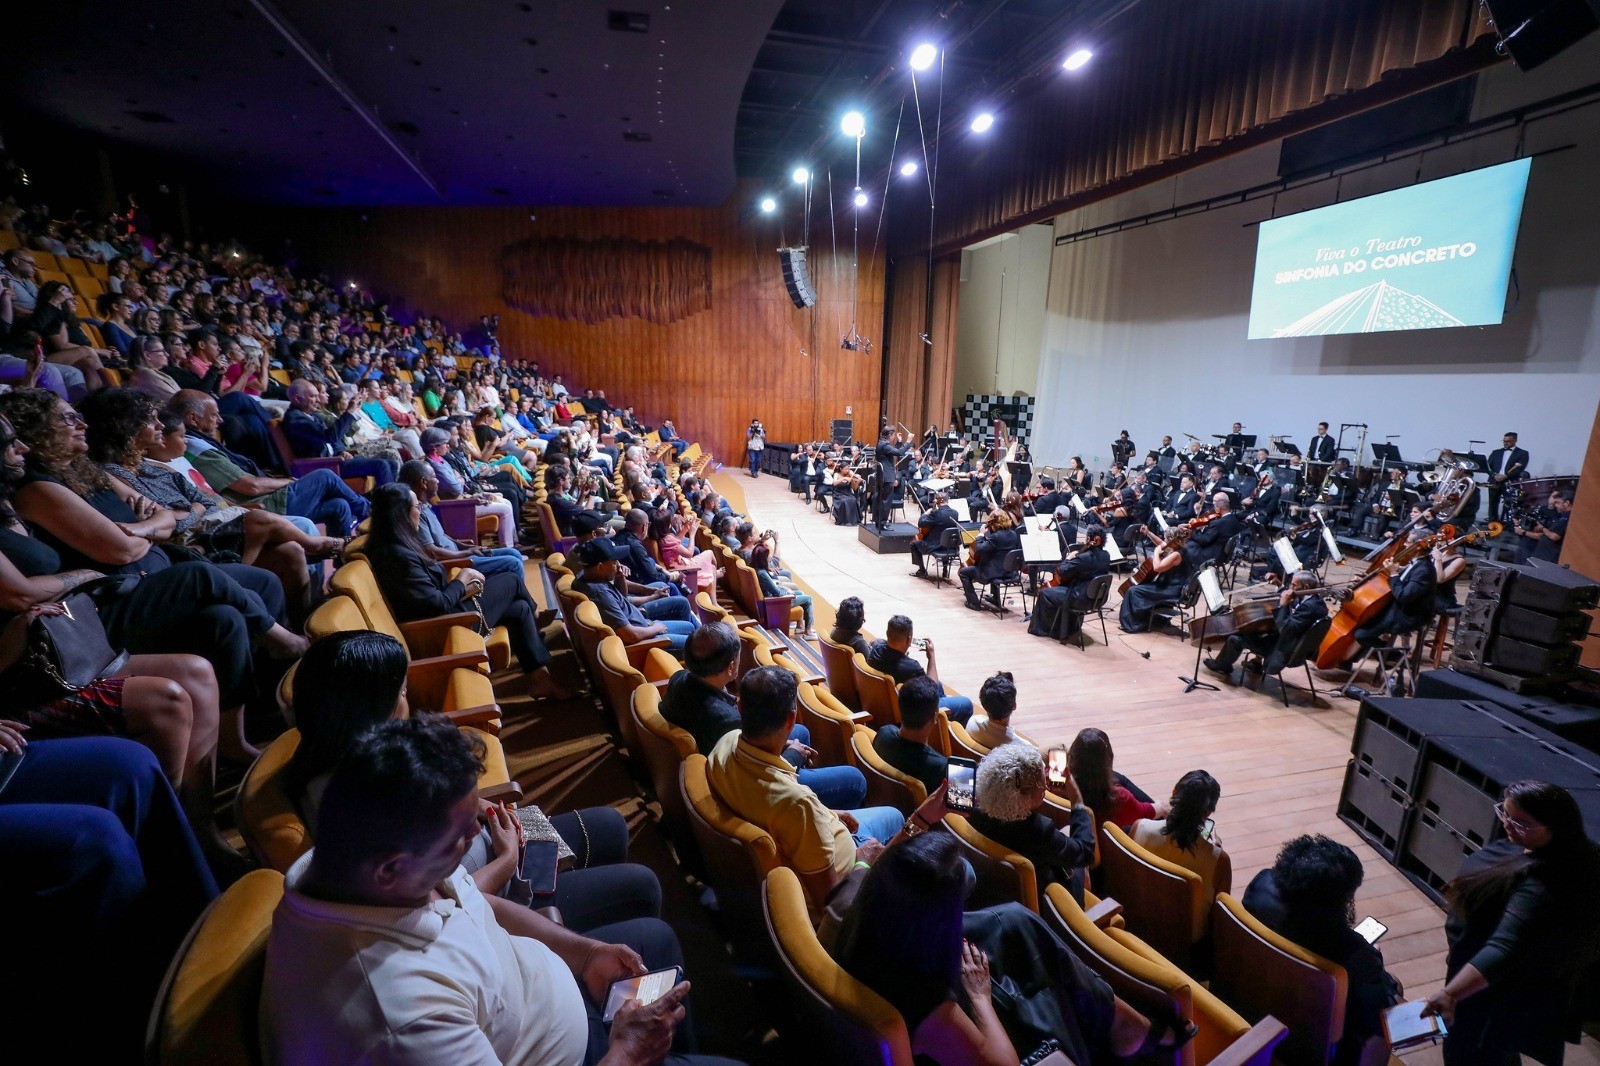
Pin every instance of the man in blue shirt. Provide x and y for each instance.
(641, 565)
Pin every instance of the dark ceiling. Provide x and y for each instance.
(405, 101)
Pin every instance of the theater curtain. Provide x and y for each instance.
(1176, 80)
(917, 375)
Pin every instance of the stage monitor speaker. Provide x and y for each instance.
(1514, 656)
(1531, 31)
(1540, 586)
(1537, 627)
(1391, 733)
(1374, 807)
(796, 278)
(843, 431)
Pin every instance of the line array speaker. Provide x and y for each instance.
(1531, 31)
(796, 277)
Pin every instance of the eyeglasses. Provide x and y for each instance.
(1511, 823)
(69, 417)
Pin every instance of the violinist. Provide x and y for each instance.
(1207, 545)
(1413, 592)
(979, 501)
(930, 531)
(849, 496)
(1170, 572)
(1300, 607)
(989, 553)
(1077, 569)
(1013, 505)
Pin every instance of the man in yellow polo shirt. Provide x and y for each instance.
(748, 773)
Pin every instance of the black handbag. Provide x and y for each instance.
(70, 651)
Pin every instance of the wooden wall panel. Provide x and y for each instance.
(711, 371)
(1581, 546)
(919, 377)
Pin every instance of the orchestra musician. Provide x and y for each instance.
(1171, 572)
(930, 531)
(1262, 503)
(1300, 608)
(1207, 545)
(1216, 481)
(1413, 593)
(890, 450)
(1078, 474)
(1050, 497)
(989, 553)
(1184, 503)
(1321, 448)
(1166, 451)
(1380, 505)
(849, 496)
(1543, 539)
(1122, 448)
(1507, 463)
(1069, 594)
(1234, 443)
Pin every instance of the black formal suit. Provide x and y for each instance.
(1412, 606)
(1290, 622)
(1047, 502)
(1069, 594)
(934, 523)
(1207, 545)
(1167, 452)
(1321, 448)
(1266, 505)
(888, 455)
(1512, 462)
(992, 549)
(1180, 506)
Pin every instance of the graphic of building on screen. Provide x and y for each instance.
(1429, 256)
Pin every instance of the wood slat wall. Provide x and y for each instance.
(1581, 546)
(919, 376)
(710, 371)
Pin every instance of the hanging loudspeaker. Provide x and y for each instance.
(1531, 31)
(796, 278)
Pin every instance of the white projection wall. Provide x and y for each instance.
(1146, 329)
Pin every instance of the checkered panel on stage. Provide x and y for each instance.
(978, 415)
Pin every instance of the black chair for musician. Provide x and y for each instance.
(1097, 592)
(1301, 654)
(946, 554)
(1012, 578)
(1180, 611)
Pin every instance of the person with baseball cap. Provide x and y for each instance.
(602, 578)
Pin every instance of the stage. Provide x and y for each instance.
(896, 537)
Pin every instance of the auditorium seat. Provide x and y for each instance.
(1004, 876)
(425, 637)
(738, 856)
(838, 1019)
(663, 747)
(1149, 983)
(886, 786)
(836, 663)
(831, 723)
(618, 679)
(880, 696)
(207, 1011)
(1158, 897)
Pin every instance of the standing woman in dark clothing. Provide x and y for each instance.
(416, 586)
(1522, 930)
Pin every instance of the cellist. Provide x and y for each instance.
(1300, 607)
(1412, 594)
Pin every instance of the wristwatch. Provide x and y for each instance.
(912, 826)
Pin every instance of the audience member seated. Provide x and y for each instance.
(747, 772)
(888, 655)
(55, 321)
(596, 565)
(418, 475)
(383, 947)
(1011, 788)
(1308, 896)
(215, 612)
(451, 486)
(415, 586)
(847, 623)
(672, 533)
(697, 701)
(907, 937)
(347, 683)
(1113, 798)
(1187, 837)
(761, 552)
(100, 866)
(147, 357)
(128, 436)
(906, 746)
(998, 697)
(309, 438)
(641, 564)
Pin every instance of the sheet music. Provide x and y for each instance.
(1079, 506)
(1114, 550)
(1211, 588)
(1333, 545)
(1161, 520)
(1041, 548)
(963, 512)
(1286, 556)
(1037, 522)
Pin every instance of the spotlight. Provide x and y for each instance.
(1078, 59)
(352, 285)
(923, 55)
(909, 167)
(801, 175)
(854, 124)
(768, 205)
(860, 197)
(982, 121)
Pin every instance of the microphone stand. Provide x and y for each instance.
(1194, 682)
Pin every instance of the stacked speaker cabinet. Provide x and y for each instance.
(1425, 775)
(1522, 624)
(796, 276)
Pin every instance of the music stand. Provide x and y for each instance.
(1288, 448)
(1247, 440)
(1386, 454)
(1478, 462)
(1213, 596)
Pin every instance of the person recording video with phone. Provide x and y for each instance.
(1012, 783)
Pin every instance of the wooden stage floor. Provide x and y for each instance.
(1280, 769)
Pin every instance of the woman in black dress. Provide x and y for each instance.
(416, 586)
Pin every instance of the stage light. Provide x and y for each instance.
(860, 197)
(923, 55)
(768, 205)
(982, 121)
(854, 124)
(1078, 59)
(909, 167)
(801, 175)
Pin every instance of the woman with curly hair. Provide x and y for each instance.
(1011, 790)
(216, 612)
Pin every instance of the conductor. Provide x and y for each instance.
(890, 450)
